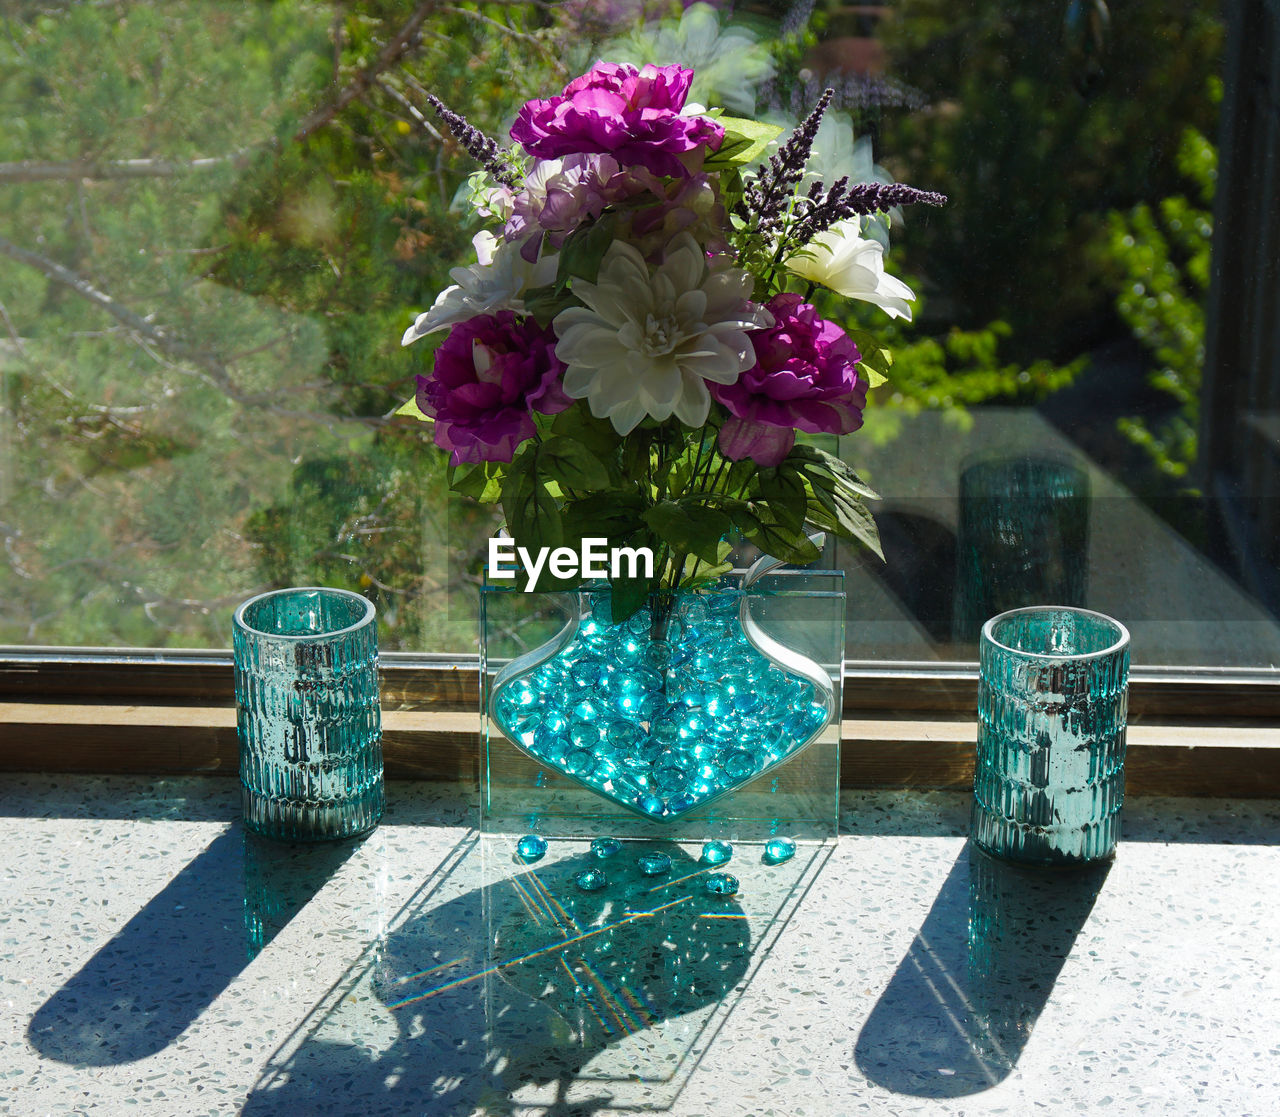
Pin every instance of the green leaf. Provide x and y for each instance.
(740, 473)
(481, 481)
(783, 491)
(875, 360)
(568, 462)
(744, 142)
(815, 464)
(846, 516)
(701, 573)
(581, 254)
(531, 512)
(615, 516)
(410, 407)
(544, 303)
(629, 594)
(597, 435)
(689, 529)
(635, 453)
(789, 544)
(626, 597)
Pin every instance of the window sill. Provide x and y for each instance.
(932, 751)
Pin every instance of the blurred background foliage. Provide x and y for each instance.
(213, 235)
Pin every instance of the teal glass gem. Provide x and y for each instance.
(667, 711)
(591, 880)
(654, 864)
(716, 852)
(531, 848)
(605, 847)
(585, 734)
(778, 850)
(653, 805)
(721, 884)
(739, 764)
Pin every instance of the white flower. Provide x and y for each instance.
(647, 341)
(497, 281)
(728, 63)
(853, 266)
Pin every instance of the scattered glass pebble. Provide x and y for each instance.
(591, 880)
(684, 711)
(605, 847)
(716, 852)
(654, 864)
(721, 884)
(778, 850)
(531, 848)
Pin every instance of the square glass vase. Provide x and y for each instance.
(710, 714)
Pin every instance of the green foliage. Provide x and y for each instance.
(951, 373)
(1160, 260)
(1036, 134)
(241, 443)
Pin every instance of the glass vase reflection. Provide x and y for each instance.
(670, 710)
(1023, 538)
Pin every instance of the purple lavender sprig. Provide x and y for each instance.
(855, 93)
(821, 208)
(767, 196)
(494, 159)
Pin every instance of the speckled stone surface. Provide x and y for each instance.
(154, 959)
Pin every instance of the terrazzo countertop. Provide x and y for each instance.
(155, 959)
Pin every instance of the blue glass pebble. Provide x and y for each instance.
(739, 764)
(653, 805)
(721, 884)
(654, 864)
(531, 848)
(778, 850)
(716, 852)
(591, 880)
(605, 847)
(661, 725)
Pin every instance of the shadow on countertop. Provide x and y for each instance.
(516, 986)
(145, 986)
(963, 1003)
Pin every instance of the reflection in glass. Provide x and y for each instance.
(1023, 538)
(211, 248)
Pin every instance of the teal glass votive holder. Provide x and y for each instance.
(308, 714)
(1052, 708)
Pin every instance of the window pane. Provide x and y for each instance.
(217, 220)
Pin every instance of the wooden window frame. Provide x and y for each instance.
(1193, 731)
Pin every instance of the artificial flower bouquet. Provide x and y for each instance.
(633, 354)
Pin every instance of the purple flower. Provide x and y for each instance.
(615, 109)
(559, 195)
(491, 372)
(805, 378)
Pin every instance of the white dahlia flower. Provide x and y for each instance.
(648, 340)
(853, 266)
(497, 281)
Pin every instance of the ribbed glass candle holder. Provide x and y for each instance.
(308, 714)
(1052, 709)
